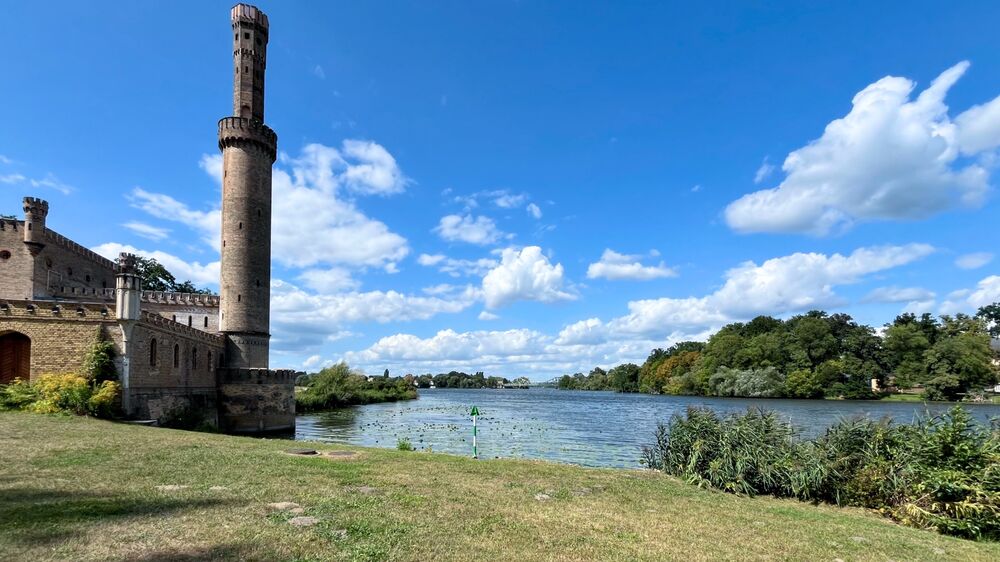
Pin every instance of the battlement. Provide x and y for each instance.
(154, 319)
(236, 130)
(67, 244)
(66, 310)
(12, 224)
(180, 299)
(36, 206)
(248, 14)
(230, 375)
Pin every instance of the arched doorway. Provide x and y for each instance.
(15, 357)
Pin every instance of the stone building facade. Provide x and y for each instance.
(174, 351)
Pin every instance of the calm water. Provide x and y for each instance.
(579, 427)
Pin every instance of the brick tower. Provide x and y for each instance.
(248, 150)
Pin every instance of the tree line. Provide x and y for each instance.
(457, 379)
(818, 355)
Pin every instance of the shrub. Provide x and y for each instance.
(339, 386)
(66, 393)
(98, 362)
(17, 395)
(942, 472)
(62, 393)
(403, 444)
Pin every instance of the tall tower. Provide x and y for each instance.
(248, 150)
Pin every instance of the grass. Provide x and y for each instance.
(82, 489)
(919, 398)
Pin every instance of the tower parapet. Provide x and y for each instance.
(128, 288)
(35, 211)
(248, 134)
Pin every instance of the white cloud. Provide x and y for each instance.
(207, 274)
(49, 181)
(615, 266)
(5, 160)
(457, 267)
(974, 260)
(147, 230)
(211, 164)
(312, 225)
(312, 361)
(584, 332)
(791, 283)
(534, 210)
(900, 294)
(331, 280)
(161, 206)
(301, 319)
(987, 292)
(979, 127)
(524, 275)
(888, 158)
(764, 172)
(696, 188)
(487, 316)
(318, 72)
(480, 230)
(506, 200)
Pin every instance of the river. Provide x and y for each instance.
(572, 426)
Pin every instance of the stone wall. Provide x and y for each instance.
(180, 374)
(59, 339)
(256, 400)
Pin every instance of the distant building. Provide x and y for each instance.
(174, 351)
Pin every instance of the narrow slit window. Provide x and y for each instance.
(177, 355)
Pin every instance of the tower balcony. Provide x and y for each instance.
(240, 131)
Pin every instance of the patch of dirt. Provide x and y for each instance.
(302, 452)
(341, 455)
(363, 490)
(284, 506)
(303, 521)
(543, 497)
(171, 487)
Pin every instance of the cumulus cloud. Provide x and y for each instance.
(796, 282)
(974, 260)
(486, 315)
(480, 230)
(986, 292)
(616, 267)
(331, 280)
(301, 319)
(524, 275)
(147, 230)
(457, 267)
(900, 294)
(312, 222)
(890, 157)
(207, 274)
(584, 332)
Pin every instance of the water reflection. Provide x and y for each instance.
(586, 428)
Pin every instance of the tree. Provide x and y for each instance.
(990, 316)
(803, 384)
(906, 345)
(961, 363)
(625, 377)
(156, 277)
(522, 381)
(99, 361)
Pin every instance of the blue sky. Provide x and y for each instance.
(530, 188)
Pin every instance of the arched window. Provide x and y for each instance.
(206, 321)
(177, 355)
(189, 320)
(194, 358)
(152, 352)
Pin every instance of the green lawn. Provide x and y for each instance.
(82, 489)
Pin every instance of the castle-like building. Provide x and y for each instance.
(174, 351)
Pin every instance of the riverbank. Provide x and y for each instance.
(81, 489)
